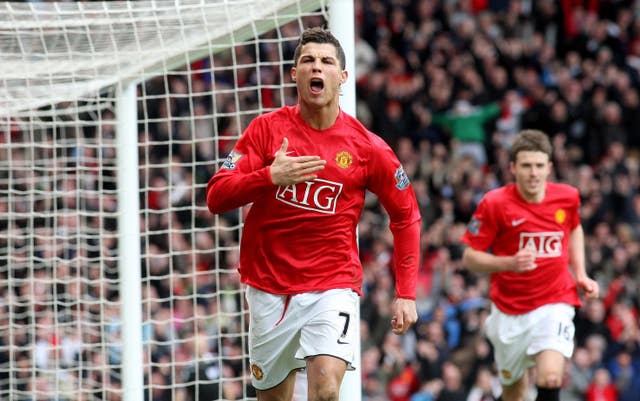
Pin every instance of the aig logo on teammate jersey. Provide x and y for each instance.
(317, 195)
(546, 244)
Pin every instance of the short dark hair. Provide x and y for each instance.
(531, 140)
(319, 35)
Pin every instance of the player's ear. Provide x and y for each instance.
(344, 76)
(293, 74)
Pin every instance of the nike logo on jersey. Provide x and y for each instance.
(287, 153)
(340, 341)
(516, 223)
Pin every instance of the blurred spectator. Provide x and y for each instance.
(486, 386)
(601, 388)
(579, 375)
(203, 376)
(452, 389)
(625, 369)
(590, 319)
(466, 123)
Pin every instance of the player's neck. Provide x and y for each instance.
(532, 197)
(319, 118)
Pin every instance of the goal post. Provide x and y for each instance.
(344, 29)
(113, 115)
(129, 250)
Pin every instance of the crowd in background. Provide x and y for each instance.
(448, 84)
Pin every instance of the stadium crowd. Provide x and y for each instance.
(448, 83)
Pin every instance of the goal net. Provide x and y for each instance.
(200, 71)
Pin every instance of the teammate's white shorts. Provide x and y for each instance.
(518, 338)
(283, 330)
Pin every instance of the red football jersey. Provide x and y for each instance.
(504, 223)
(301, 238)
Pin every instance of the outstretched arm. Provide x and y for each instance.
(389, 181)
(590, 287)
(406, 250)
(485, 262)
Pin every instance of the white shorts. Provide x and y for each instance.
(518, 338)
(284, 330)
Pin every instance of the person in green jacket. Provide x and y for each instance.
(466, 124)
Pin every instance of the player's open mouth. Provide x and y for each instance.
(317, 85)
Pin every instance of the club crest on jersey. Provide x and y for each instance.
(232, 160)
(256, 371)
(545, 244)
(560, 216)
(344, 159)
(317, 195)
(402, 179)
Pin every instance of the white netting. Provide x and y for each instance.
(63, 51)
(204, 68)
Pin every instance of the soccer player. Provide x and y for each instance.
(526, 235)
(306, 169)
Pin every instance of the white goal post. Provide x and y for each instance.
(117, 283)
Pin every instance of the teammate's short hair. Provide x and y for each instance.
(532, 140)
(320, 35)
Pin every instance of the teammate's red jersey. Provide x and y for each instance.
(302, 238)
(504, 223)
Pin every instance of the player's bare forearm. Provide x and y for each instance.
(404, 315)
(485, 262)
(576, 252)
(577, 261)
